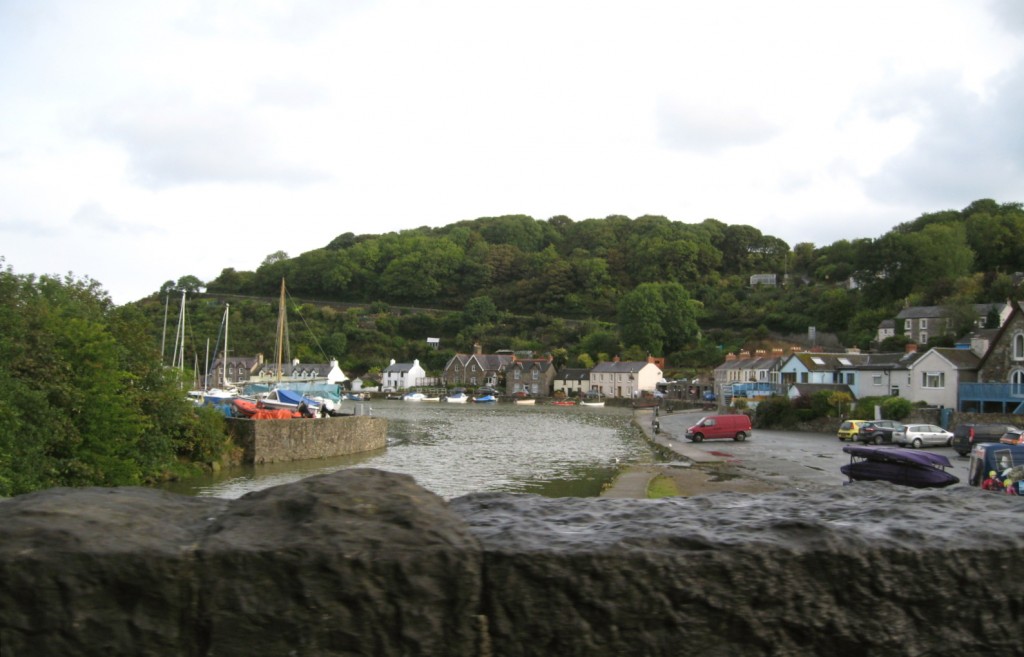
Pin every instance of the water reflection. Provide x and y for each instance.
(454, 449)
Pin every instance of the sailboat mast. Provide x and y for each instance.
(163, 338)
(281, 322)
(179, 339)
(227, 314)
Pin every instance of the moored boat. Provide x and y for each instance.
(457, 398)
(485, 399)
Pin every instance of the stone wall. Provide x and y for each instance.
(362, 562)
(275, 441)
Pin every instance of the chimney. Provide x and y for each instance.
(911, 347)
(477, 348)
(730, 356)
(776, 351)
(760, 352)
(744, 354)
(615, 358)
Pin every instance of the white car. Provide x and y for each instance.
(919, 435)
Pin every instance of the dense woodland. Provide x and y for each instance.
(587, 290)
(86, 397)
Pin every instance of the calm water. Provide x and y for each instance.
(455, 449)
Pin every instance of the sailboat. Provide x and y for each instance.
(280, 397)
(228, 392)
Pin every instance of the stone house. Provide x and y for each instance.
(237, 370)
(477, 369)
(920, 323)
(534, 376)
(298, 371)
(999, 387)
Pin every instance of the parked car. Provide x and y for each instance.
(736, 427)
(849, 429)
(919, 435)
(966, 436)
(877, 431)
(1014, 437)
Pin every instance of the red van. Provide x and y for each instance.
(710, 427)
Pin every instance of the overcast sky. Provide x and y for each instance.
(144, 140)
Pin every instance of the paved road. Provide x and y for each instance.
(793, 459)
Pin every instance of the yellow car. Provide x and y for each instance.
(848, 430)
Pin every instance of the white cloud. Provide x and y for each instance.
(133, 133)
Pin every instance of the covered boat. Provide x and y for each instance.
(906, 467)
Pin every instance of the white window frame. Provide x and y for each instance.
(1018, 346)
(876, 379)
(933, 380)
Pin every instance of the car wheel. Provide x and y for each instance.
(697, 437)
(878, 440)
(740, 436)
(917, 443)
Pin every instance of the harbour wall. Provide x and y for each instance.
(276, 441)
(364, 562)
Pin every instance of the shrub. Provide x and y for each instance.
(896, 408)
(775, 412)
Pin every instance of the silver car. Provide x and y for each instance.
(919, 435)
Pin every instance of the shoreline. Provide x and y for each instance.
(692, 472)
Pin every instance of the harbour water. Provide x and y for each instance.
(456, 449)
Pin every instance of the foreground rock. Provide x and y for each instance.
(362, 562)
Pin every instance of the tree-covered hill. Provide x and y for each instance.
(657, 286)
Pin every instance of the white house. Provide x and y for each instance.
(402, 376)
(934, 378)
(573, 381)
(626, 379)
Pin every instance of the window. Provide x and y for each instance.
(817, 361)
(849, 378)
(924, 337)
(933, 379)
(1018, 346)
(922, 323)
(876, 379)
(803, 377)
(844, 361)
(536, 375)
(908, 324)
(1017, 383)
(519, 373)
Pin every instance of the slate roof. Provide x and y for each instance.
(574, 374)
(926, 312)
(398, 368)
(809, 389)
(962, 359)
(620, 367)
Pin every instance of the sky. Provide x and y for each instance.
(142, 140)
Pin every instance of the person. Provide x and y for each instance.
(991, 483)
(1011, 486)
(323, 410)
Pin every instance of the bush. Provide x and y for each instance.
(775, 412)
(896, 408)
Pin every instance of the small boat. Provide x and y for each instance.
(526, 401)
(419, 397)
(906, 467)
(592, 400)
(564, 402)
(289, 400)
(485, 399)
(457, 398)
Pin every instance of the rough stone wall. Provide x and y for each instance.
(362, 562)
(275, 441)
(999, 360)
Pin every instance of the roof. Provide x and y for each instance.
(961, 359)
(925, 312)
(543, 364)
(574, 374)
(621, 366)
(759, 363)
(398, 368)
(808, 389)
